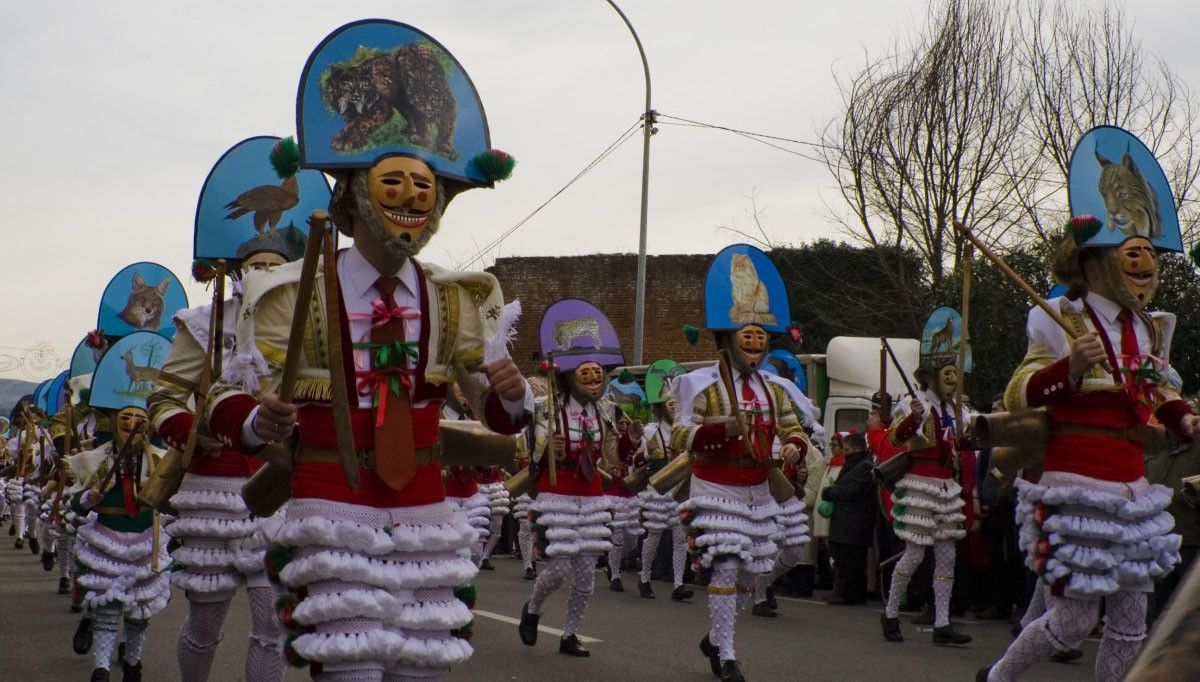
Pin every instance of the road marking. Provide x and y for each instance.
(541, 628)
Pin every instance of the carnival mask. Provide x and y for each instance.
(403, 194)
(587, 382)
(1138, 262)
(130, 421)
(945, 381)
(672, 408)
(749, 348)
(262, 261)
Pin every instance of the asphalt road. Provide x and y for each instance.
(631, 638)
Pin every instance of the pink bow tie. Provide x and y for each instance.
(380, 315)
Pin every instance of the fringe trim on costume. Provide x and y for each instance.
(406, 573)
(207, 583)
(356, 537)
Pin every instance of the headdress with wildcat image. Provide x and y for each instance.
(141, 297)
(377, 88)
(1115, 178)
(744, 287)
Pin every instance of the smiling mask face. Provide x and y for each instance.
(399, 202)
(1138, 264)
(587, 382)
(747, 348)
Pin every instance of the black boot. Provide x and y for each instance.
(12, 529)
(891, 628)
(645, 590)
(981, 675)
(64, 585)
(616, 585)
(486, 565)
(714, 658)
(19, 544)
(570, 646)
(131, 673)
(530, 574)
(99, 675)
(731, 672)
(81, 643)
(948, 635)
(528, 628)
(1066, 656)
(34, 546)
(771, 603)
(47, 561)
(764, 610)
(681, 593)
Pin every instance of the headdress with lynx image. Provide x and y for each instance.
(743, 287)
(141, 297)
(376, 88)
(941, 340)
(256, 198)
(1115, 177)
(574, 331)
(125, 375)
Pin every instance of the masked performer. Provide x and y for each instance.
(369, 571)
(1092, 527)
(730, 416)
(220, 547)
(928, 501)
(660, 512)
(574, 427)
(122, 554)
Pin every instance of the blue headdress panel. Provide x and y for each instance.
(1114, 177)
(125, 376)
(941, 339)
(377, 88)
(574, 331)
(40, 393)
(256, 195)
(142, 297)
(56, 394)
(744, 287)
(83, 360)
(782, 363)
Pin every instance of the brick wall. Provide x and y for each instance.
(674, 297)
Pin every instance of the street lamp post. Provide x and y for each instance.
(648, 119)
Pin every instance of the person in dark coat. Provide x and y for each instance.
(852, 525)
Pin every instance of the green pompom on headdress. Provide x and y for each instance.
(285, 158)
(495, 164)
(626, 376)
(692, 334)
(1195, 254)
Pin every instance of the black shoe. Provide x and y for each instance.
(1066, 656)
(645, 590)
(47, 561)
(570, 646)
(981, 675)
(891, 628)
(763, 609)
(64, 585)
(714, 657)
(486, 565)
(681, 593)
(12, 530)
(528, 627)
(616, 585)
(34, 546)
(121, 651)
(76, 608)
(948, 635)
(131, 673)
(81, 643)
(530, 574)
(19, 544)
(731, 672)
(774, 605)
(99, 675)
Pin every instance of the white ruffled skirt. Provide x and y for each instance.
(14, 491)
(731, 523)
(117, 569)
(927, 509)
(475, 510)
(213, 525)
(521, 507)
(626, 513)
(498, 498)
(793, 524)
(659, 512)
(378, 584)
(571, 525)
(1099, 536)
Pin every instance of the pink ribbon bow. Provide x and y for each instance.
(380, 315)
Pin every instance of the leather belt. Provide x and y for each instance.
(366, 456)
(735, 462)
(1143, 435)
(117, 511)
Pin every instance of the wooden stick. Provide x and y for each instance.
(1170, 653)
(724, 364)
(1014, 278)
(964, 339)
(552, 415)
(339, 397)
(216, 326)
(206, 374)
(899, 369)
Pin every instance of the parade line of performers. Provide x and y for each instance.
(344, 434)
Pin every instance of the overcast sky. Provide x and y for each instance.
(114, 112)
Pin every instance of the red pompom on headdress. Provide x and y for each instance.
(203, 270)
(1084, 227)
(95, 338)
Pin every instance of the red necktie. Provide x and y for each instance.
(757, 422)
(127, 488)
(1130, 360)
(395, 453)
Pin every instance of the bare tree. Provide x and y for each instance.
(926, 136)
(1084, 67)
